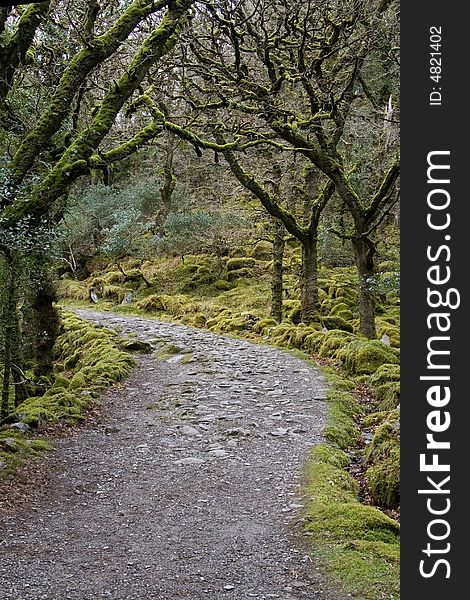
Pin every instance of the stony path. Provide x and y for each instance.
(185, 488)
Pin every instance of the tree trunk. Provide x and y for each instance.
(364, 250)
(309, 280)
(278, 270)
(47, 323)
(9, 327)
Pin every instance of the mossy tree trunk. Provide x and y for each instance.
(309, 280)
(307, 235)
(47, 325)
(364, 251)
(169, 181)
(9, 327)
(277, 285)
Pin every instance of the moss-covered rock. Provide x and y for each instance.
(333, 341)
(238, 274)
(363, 357)
(113, 277)
(199, 320)
(151, 303)
(383, 456)
(223, 285)
(392, 331)
(336, 322)
(265, 326)
(114, 293)
(73, 290)
(313, 341)
(262, 250)
(350, 521)
(203, 276)
(292, 310)
(243, 262)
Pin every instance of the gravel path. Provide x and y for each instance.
(185, 487)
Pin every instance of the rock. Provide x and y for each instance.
(229, 587)
(385, 339)
(188, 430)
(2, 464)
(9, 445)
(136, 346)
(94, 297)
(218, 453)
(128, 298)
(109, 430)
(189, 461)
(236, 431)
(23, 427)
(279, 431)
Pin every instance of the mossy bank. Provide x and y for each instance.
(88, 360)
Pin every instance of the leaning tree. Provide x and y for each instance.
(68, 73)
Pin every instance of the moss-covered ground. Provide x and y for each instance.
(88, 360)
(359, 543)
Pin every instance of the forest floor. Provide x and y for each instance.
(186, 484)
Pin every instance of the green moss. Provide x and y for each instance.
(265, 326)
(388, 395)
(238, 274)
(366, 570)
(151, 303)
(96, 362)
(73, 290)
(235, 264)
(384, 480)
(335, 457)
(336, 322)
(358, 544)
(384, 374)
(199, 320)
(392, 331)
(113, 277)
(333, 341)
(114, 293)
(383, 455)
(169, 350)
(353, 521)
(223, 285)
(362, 357)
(313, 341)
(262, 250)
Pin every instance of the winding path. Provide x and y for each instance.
(185, 487)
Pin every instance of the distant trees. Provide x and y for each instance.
(315, 78)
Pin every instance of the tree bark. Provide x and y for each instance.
(364, 250)
(9, 327)
(278, 270)
(309, 279)
(48, 325)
